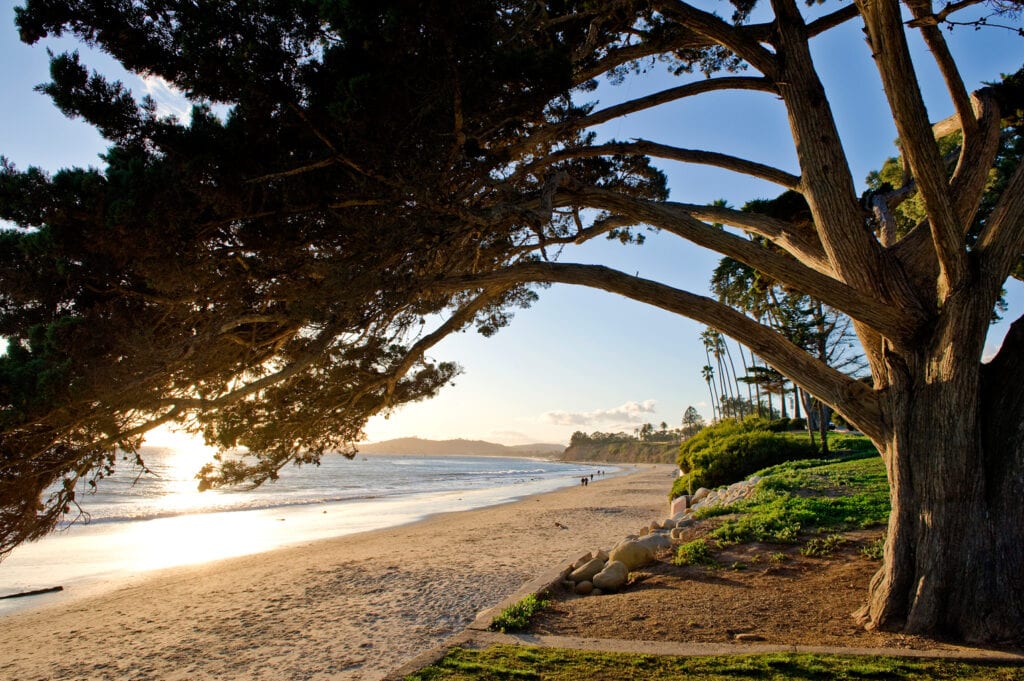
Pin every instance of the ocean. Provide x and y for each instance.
(139, 523)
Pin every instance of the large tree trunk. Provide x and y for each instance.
(954, 555)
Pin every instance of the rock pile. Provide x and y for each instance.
(704, 497)
(605, 571)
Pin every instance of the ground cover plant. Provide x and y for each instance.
(516, 617)
(513, 662)
(808, 497)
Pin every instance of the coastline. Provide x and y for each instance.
(350, 607)
(108, 554)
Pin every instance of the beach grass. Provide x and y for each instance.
(552, 664)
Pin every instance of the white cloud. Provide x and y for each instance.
(630, 412)
(169, 101)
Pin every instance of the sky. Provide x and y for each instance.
(579, 359)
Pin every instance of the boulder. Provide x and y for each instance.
(583, 560)
(699, 495)
(669, 523)
(678, 505)
(656, 541)
(632, 553)
(583, 588)
(586, 572)
(613, 577)
(601, 554)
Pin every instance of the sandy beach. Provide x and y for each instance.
(354, 607)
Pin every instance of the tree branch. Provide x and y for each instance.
(849, 396)
(802, 243)
(456, 321)
(558, 130)
(1001, 241)
(947, 66)
(676, 93)
(899, 325)
(725, 34)
(977, 156)
(315, 351)
(938, 17)
(892, 55)
(826, 183)
(829, 21)
(644, 147)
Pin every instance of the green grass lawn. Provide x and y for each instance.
(514, 662)
(798, 498)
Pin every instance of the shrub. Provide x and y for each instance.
(733, 455)
(696, 552)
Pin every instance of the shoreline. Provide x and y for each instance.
(349, 607)
(109, 552)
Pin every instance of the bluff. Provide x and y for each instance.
(623, 451)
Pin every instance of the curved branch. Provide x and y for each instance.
(1001, 241)
(802, 243)
(644, 147)
(143, 428)
(977, 156)
(938, 17)
(892, 55)
(899, 325)
(459, 319)
(829, 21)
(725, 34)
(850, 396)
(947, 66)
(700, 87)
(676, 93)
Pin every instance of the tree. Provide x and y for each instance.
(692, 422)
(707, 372)
(262, 277)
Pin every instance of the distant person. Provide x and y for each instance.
(591, 476)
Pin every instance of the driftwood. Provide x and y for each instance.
(34, 593)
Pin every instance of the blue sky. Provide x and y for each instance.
(581, 359)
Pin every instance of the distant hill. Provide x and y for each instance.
(415, 445)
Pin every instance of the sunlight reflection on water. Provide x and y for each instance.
(89, 559)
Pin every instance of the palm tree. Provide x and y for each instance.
(708, 373)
